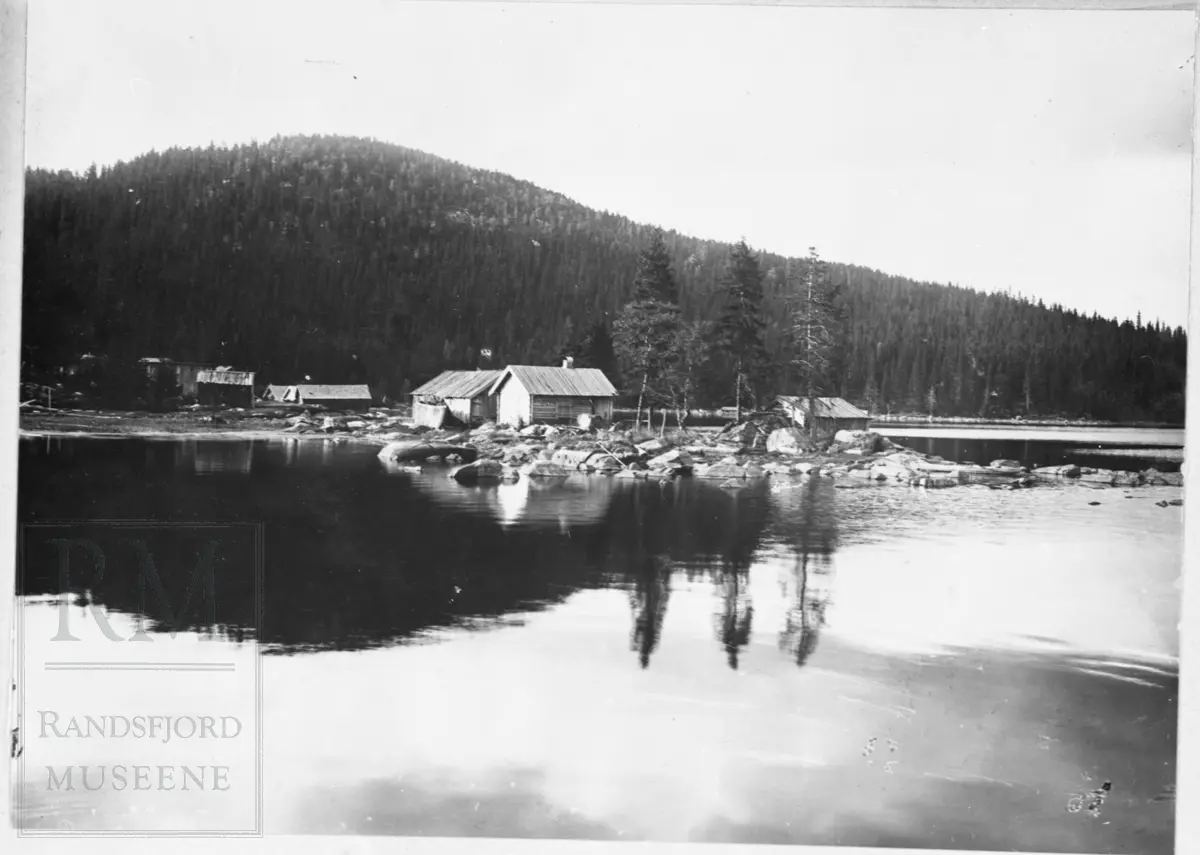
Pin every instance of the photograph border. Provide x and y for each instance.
(13, 17)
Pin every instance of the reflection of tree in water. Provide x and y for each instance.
(645, 547)
(811, 529)
(735, 612)
(648, 599)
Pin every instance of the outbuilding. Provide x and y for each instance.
(353, 397)
(225, 388)
(831, 414)
(461, 396)
(533, 393)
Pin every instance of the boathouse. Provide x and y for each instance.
(462, 396)
(220, 387)
(533, 393)
(353, 397)
(831, 414)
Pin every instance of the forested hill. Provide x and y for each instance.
(353, 260)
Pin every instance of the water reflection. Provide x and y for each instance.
(577, 638)
(808, 525)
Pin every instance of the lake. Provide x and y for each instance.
(1104, 447)
(617, 660)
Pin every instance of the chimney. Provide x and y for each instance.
(569, 362)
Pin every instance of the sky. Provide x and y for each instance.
(1044, 152)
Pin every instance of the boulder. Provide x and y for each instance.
(674, 459)
(480, 470)
(533, 431)
(786, 441)
(1128, 479)
(590, 422)
(574, 458)
(1068, 471)
(1005, 464)
(891, 469)
(653, 446)
(1097, 476)
(805, 468)
(510, 474)
(936, 482)
(723, 471)
(543, 469)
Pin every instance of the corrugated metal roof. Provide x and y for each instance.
(226, 378)
(458, 384)
(560, 382)
(828, 408)
(334, 393)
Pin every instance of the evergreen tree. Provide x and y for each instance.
(741, 327)
(813, 329)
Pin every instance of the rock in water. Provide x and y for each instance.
(1005, 464)
(786, 441)
(1068, 471)
(653, 446)
(544, 469)
(724, 471)
(481, 470)
(675, 459)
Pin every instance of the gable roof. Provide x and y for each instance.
(458, 384)
(314, 392)
(226, 378)
(277, 392)
(828, 408)
(558, 382)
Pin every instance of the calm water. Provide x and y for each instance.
(601, 659)
(1113, 448)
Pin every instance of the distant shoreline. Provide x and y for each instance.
(1036, 422)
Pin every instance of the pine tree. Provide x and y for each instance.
(646, 333)
(741, 327)
(813, 328)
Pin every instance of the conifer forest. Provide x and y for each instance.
(355, 261)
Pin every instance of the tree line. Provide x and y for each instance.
(350, 260)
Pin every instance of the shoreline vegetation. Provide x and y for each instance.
(763, 445)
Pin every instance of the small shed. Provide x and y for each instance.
(188, 376)
(225, 388)
(463, 395)
(353, 397)
(534, 393)
(831, 414)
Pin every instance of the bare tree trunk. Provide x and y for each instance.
(662, 427)
(637, 419)
(738, 416)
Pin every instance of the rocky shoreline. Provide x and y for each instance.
(734, 456)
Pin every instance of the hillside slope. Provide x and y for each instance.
(354, 260)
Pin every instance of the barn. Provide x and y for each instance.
(533, 393)
(832, 414)
(462, 395)
(354, 397)
(225, 388)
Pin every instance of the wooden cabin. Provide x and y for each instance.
(188, 376)
(526, 394)
(461, 396)
(831, 414)
(353, 397)
(225, 388)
